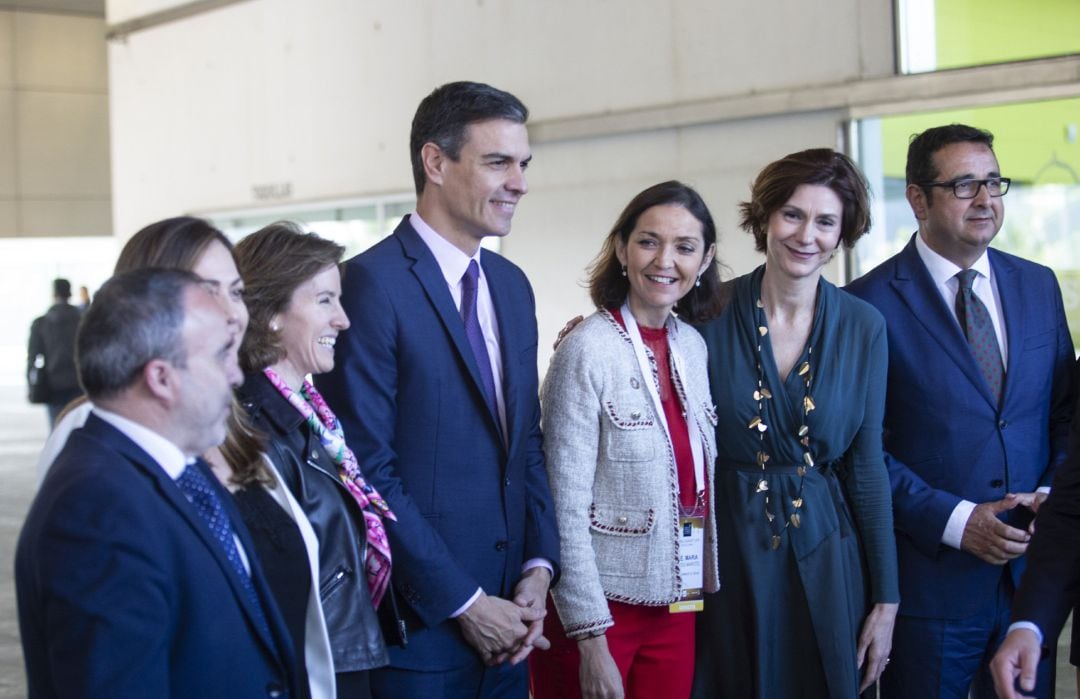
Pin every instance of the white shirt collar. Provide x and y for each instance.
(168, 456)
(452, 261)
(941, 269)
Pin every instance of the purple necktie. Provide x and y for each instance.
(194, 481)
(470, 286)
(979, 330)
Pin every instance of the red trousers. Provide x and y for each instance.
(653, 649)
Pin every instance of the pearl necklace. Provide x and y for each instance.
(762, 394)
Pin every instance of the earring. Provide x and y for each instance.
(698, 282)
(624, 270)
(274, 327)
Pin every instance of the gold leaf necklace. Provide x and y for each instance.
(757, 423)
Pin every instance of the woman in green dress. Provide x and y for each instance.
(797, 370)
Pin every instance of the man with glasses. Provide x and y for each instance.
(976, 419)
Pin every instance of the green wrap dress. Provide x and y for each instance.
(792, 600)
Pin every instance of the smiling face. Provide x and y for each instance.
(475, 195)
(663, 256)
(802, 234)
(959, 229)
(309, 327)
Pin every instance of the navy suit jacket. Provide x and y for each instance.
(123, 592)
(946, 439)
(470, 511)
(1050, 587)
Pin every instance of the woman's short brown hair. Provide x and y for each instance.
(776, 184)
(273, 262)
(608, 286)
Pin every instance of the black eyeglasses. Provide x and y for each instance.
(969, 189)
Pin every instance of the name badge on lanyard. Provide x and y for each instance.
(691, 540)
(691, 564)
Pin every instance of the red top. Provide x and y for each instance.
(656, 339)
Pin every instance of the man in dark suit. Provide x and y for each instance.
(436, 388)
(50, 363)
(134, 574)
(1050, 588)
(976, 418)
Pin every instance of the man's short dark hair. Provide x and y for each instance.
(61, 288)
(136, 317)
(443, 116)
(921, 149)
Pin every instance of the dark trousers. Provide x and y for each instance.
(474, 681)
(947, 658)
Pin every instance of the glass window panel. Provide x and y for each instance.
(356, 225)
(942, 34)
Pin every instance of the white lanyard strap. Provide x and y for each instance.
(647, 376)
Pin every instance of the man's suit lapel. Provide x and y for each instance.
(1010, 296)
(916, 288)
(172, 494)
(431, 278)
(509, 337)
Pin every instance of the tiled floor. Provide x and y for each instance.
(22, 431)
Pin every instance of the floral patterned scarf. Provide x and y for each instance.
(325, 425)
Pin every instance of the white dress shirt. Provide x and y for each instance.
(944, 272)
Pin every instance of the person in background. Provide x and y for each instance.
(135, 576)
(629, 439)
(84, 298)
(282, 535)
(50, 355)
(797, 370)
(436, 389)
(979, 401)
(293, 291)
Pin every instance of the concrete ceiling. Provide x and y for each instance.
(83, 7)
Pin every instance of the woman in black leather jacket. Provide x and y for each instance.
(293, 286)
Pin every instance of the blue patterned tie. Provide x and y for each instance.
(195, 484)
(470, 286)
(979, 331)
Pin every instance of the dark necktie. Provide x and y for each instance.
(979, 330)
(470, 286)
(195, 484)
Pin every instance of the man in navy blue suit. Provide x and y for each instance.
(125, 588)
(977, 414)
(436, 388)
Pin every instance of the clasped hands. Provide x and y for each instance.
(508, 630)
(992, 540)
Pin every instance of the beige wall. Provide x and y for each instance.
(54, 138)
(320, 94)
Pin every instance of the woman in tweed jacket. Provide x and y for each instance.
(629, 438)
